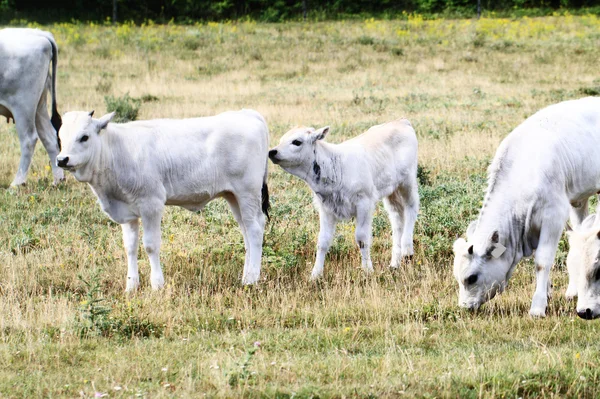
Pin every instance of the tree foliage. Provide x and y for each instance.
(264, 10)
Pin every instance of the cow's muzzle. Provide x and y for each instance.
(62, 162)
(273, 156)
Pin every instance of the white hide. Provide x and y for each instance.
(543, 170)
(25, 56)
(348, 180)
(137, 168)
(583, 264)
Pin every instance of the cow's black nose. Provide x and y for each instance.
(585, 314)
(272, 153)
(62, 162)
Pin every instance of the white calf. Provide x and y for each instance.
(348, 179)
(25, 55)
(549, 165)
(137, 168)
(583, 264)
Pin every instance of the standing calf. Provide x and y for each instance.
(25, 56)
(348, 179)
(545, 168)
(137, 168)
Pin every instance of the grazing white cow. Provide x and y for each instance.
(549, 165)
(348, 180)
(137, 168)
(583, 264)
(25, 55)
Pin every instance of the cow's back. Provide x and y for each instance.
(24, 62)
(213, 154)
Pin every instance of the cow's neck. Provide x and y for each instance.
(502, 213)
(325, 171)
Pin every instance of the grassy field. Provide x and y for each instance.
(68, 330)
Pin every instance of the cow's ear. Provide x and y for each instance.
(103, 122)
(471, 228)
(320, 134)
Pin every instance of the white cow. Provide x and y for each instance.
(348, 180)
(583, 264)
(137, 168)
(549, 165)
(25, 55)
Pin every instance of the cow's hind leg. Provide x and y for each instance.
(237, 214)
(48, 137)
(25, 121)
(402, 207)
(151, 220)
(254, 223)
(131, 232)
(551, 230)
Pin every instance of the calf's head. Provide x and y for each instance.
(79, 136)
(583, 263)
(296, 150)
(480, 270)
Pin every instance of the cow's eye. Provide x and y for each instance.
(83, 139)
(297, 143)
(597, 276)
(472, 279)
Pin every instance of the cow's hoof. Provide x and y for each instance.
(316, 275)
(571, 294)
(537, 312)
(133, 284)
(157, 282)
(250, 279)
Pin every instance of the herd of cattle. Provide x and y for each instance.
(543, 173)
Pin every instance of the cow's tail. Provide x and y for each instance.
(265, 192)
(56, 119)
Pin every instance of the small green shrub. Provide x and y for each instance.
(126, 107)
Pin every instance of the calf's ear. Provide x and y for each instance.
(320, 134)
(103, 121)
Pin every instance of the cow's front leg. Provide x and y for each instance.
(364, 218)
(131, 232)
(151, 221)
(544, 257)
(571, 292)
(327, 223)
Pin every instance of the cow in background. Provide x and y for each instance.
(25, 57)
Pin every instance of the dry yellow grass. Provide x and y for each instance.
(464, 85)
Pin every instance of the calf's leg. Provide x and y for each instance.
(151, 220)
(364, 219)
(25, 121)
(551, 230)
(48, 137)
(327, 223)
(253, 222)
(131, 232)
(237, 214)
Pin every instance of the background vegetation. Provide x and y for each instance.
(68, 330)
(270, 10)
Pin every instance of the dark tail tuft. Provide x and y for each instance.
(265, 200)
(56, 123)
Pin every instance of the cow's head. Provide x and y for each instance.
(481, 270)
(79, 136)
(296, 150)
(583, 263)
